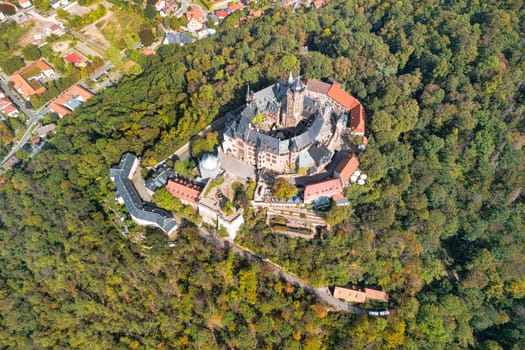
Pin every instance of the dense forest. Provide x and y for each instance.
(439, 225)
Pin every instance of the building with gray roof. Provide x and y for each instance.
(281, 122)
(143, 213)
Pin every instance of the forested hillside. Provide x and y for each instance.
(439, 225)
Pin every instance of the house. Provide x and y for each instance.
(26, 80)
(25, 3)
(318, 3)
(325, 188)
(148, 52)
(187, 192)
(177, 38)
(255, 13)
(346, 167)
(54, 29)
(221, 14)
(349, 295)
(236, 7)
(44, 130)
(376, 294)
(195, 19)
(10, 111)
(143, 213)
(75, 59)
(70, 100)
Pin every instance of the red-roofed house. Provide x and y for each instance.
(376, 294)
(346, 167)
(350, 295)
(318, 3)
(195, 19)
(10, 111)
(26, 79)
(325, 188)
(71, 99)
(236, 7)
(147, 51)
(221, 14)
(255, 13)
(187, 192)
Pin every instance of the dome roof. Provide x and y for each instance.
(209, 162)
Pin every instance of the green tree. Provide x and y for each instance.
(283, 189)
(31, 52)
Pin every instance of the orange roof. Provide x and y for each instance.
(183, 190)
(221, 14)
(353, 296)
(376, 294)
(9, 108)
(326, 188)
(194, 13)
(342, 97)
(364, 140)
(255, 14)
(59, 109)
(236, 7)
(346, 167)
(22, 85)
(337, 196)
(75, 91)
(357, 120)
(147, 51)
(73, 57)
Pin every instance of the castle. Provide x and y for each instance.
(291, 125)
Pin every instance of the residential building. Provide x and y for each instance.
(358, 296)
(187, 192)
(70, 100)
(25, 3)
(143, 213)
(177, 38)
(346, 167)
(195, 19)
(376, 294)
(325, 188)
(238, 6)
(349, 295)
(26, 80)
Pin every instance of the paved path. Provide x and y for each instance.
(32, 116)
(322, 293)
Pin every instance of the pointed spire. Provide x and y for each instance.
(290, 78)
(248, 94)
(298, 84)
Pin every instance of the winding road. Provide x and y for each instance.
(321, 293)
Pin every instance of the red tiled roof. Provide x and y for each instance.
(194, 13)
(73, 58)
(21, 84)
(325, 188)
(318, 3)
(337, 196)
(376, 294)
(255, 13)
(351, 295)
(5, 101)
(346, 167)
(342, 97)
(357, 120)
(8, 109)
(236, 7)
(57, 105)
(147, 51)
(364, 140)
(185, 191)
(221, 14)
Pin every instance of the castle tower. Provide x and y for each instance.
(295, 103)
